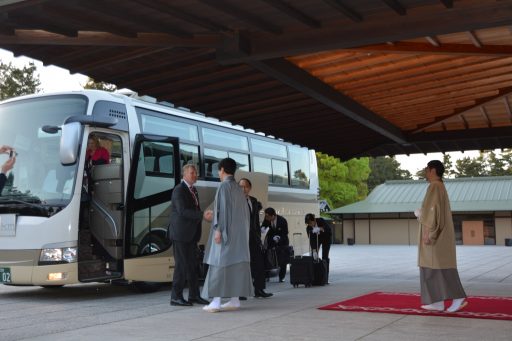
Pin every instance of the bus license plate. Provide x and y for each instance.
(7, 225)
(5, 275)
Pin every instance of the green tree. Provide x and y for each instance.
(18, 81)
(385, 168)
(92, 85)
(470, 167)
(342, 183)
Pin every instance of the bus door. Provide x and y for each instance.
(155, 171)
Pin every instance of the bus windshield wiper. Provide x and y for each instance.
(34, 208)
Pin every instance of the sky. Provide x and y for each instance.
(54, 79)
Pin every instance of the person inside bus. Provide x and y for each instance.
(277, 236)
(7, 166)
(255, 244)
(96, 154)
(185, 232)
(320, 235)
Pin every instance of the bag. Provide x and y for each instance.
(271, 262)
(301, 268)
(320, 269)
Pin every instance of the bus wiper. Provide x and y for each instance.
(33, 208)
(16, 201)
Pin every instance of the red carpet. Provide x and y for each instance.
(480, 307)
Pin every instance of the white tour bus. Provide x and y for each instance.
(64, 222)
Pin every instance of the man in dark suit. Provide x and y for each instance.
(255, 245)
(277, 236)
(320, 235)
(6, 167)
(185, 233)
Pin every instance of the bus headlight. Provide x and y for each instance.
(61, 255)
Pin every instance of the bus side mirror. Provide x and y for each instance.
(69, 141)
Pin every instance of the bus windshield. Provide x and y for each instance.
(38, 184)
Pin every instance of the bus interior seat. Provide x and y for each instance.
(149, 163)
(108, 183)
(165, 164)
(215, 170)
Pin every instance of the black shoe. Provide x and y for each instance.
(198, 300)
(180, 302)
(263, 294)
(281, 280)
(242, 298)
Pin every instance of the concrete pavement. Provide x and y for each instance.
(104, 312)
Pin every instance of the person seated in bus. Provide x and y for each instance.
(277, 236)
(320, 235)
(96, 154)
(7, 166)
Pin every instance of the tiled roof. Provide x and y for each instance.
(466, 195)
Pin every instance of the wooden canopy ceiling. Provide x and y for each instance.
(348, 78)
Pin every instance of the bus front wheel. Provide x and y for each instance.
(150, 244)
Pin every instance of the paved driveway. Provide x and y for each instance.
(104, 312)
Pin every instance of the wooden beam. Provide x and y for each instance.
(447, 3)
(29, 37)
(464, 121)
(396, 6)
(474, 39)
(255, 20)
(425, 21)
(502, 93)
(123, 15)
(486, 116)
(294, 13)
(167, 8)
(347, 11)
(444, 49)
(86, 21)
(33, 21)
(507, 107)
(433, 41)
(302, 81)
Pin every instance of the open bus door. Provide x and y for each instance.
(154, 172)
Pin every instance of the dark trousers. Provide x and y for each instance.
(257, 267)
(283, 257)
(184, 270)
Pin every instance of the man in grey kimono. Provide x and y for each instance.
(436, 246)
(227, 252)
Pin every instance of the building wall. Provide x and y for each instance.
(403, 231)
(348, 230)
(503, 229)
(413, 231)
(390, 231)
(362, 231)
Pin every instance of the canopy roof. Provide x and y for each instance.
(348, 78)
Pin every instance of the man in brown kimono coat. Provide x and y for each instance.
(436, 247)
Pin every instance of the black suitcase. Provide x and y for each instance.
(320, 268)
(319, 272)
(301, 268)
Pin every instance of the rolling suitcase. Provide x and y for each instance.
(301, 268)
(319, 268)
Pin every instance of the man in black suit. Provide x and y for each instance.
(277, 236)
(185, 233)
(6, 167)
(255, 245)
